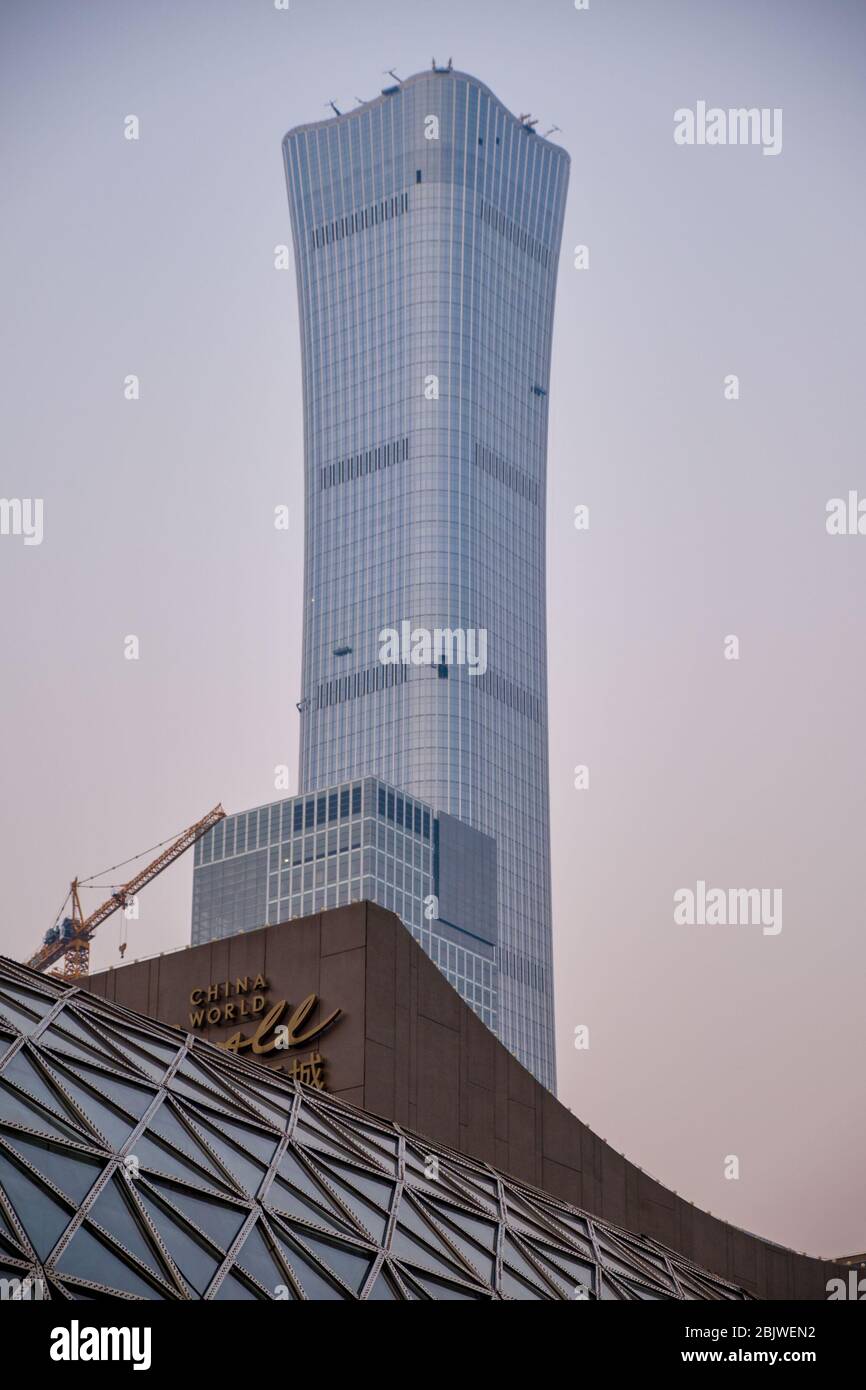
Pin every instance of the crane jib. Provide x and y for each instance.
(71, 939)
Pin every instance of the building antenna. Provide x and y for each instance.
(391, 73)
(334, 108)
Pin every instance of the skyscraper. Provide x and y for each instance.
(427, 226)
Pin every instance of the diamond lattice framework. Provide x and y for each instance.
(139, 1162)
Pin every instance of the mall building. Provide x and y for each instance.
(311, 1111)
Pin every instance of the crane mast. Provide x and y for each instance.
(71, 938)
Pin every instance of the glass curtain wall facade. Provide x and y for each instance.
(426, 227)
(362, 841)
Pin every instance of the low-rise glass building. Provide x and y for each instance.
(362, 840)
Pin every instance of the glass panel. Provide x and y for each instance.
(90, 1258)
(518, 1288)
(564, 1267)
(573, 1223)
(80, 1295)
(275, 1107)
(27, 1015)
(235, 1290)
(439, 1289)
(405, 1245)
(291, 1168)
(381, 1291)
(23, 1071)
(159, 1158)
(313, 1138)
(11, 1247)
(186, 1086)
(481, 1262)
(515, 1257)
(263, 1146)
(611, 1262)
(109, 1123)
(74, 1175)
(519, 1222)
(72, 1024)
(388, 1142)
(6, 1229)
(59, 1040)
(378, 1190)
(283, 1199)
(371, 1219)
(134, 1099)
(218, 1220)
(357, 1143)
(145, 1051)
(352, 1266)
(113, 1211)
(641, 1292)
(248, 1173)
(197, 1265)
(255, 1257)
(644, 1266)
(141, 1061)
(482, 1231)
(413, 1221)
(42, 1216)
(311, 1280)
(167, 1126)
(38, 1003)
(18, 1109)
(161, 1048)
(23, 1022)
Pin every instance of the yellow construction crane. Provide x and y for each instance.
(71, 937)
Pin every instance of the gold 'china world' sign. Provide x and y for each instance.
(245, 1000)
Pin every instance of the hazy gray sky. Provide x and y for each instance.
(707, 518)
